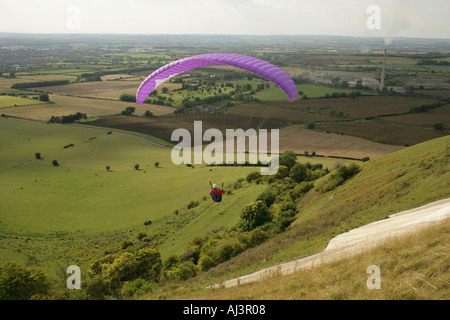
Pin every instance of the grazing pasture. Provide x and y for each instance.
(10, 101)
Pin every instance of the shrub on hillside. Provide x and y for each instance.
(116, 270)
(288, 159)
(340, 176)
(192, 204)
(253, 215)
(18, 282)
(136, 287)
(252, 176)
(268, 197)
(298, 172)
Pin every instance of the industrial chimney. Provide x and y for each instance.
(383, 68)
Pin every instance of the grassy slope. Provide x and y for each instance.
(57, 206)
(414, 266)
(402, 180)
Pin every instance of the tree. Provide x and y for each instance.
(438, 126)
(128, 111)
(37, 155)
(268, 197)
(22, 283)
(285, 216)
(136, 166)
(44, 97)
(253, 215)
(252, 176)
(288, 159)
(165, 90)
(298, 172)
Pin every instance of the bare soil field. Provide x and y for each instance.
(385, 133)
(292, 138)
(300, 140)
(162, 127)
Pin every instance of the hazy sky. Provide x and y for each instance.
(403, 18)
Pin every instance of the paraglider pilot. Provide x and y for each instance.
(216, 193)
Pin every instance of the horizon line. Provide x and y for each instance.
(218, 34)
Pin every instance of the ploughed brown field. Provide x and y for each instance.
(387, 133)
(163, 126)
(292, 138)
(300, 140)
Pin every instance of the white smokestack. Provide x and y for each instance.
(383, 68)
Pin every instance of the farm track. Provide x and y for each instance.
(355, 241)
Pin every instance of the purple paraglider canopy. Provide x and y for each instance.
(258, 66)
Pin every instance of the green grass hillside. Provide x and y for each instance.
(78, 212)
(412, 267)
(46, 209)
(402, 180)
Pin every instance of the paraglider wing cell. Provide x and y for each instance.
(258, 66)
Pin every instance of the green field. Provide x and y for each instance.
(46, 209)
(81, 190)
(10, 101)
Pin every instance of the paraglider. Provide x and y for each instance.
(255, 65)
(216, 193)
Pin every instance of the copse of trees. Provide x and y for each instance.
(128, 111)
(127, 97)
(69, 118)
(44, 97)
(429, 62)
(37, 84)
(426, 107)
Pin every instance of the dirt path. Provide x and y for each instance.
(356, 241)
